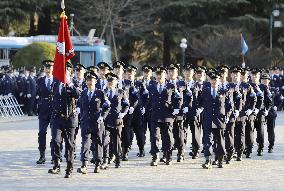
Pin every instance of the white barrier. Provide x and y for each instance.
(9, 107)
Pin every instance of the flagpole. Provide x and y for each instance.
(66, 101)
(243, 56)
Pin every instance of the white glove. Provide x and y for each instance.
(248, 112)
(100, 120)
(227, 120)
(237, 113)
(131, 110)
(121, 115)
(265, 113)
(198, 111)
(256, 111)
(9, 94)
(142, 110)
(28, 95)
(176, 111)
(281, 97)
(185, 110)
(275, 108)
(37, 97)
(21, 94)
(77, 110)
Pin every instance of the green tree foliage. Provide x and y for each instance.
(33, 55)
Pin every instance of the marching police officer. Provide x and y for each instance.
(145, 110)
(161, 100)
(104, 68)
(266, 112)
(44, 90)
(216, 110)
(63, 121)
(94, 108)
(114, 121)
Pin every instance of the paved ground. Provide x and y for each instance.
(18, 154)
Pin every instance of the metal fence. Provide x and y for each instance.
(9, 107)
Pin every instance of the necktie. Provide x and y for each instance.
(110, 94)
(89, 96)
(103, 84)
(48, 84)
(214, 93)
(160, 89)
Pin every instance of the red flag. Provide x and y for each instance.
(64, 50)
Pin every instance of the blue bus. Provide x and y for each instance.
(89, 51)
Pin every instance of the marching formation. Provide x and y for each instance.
(218, 109)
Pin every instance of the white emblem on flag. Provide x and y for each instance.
(61, 47)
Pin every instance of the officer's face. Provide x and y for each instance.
(173, 73)
(200, 76)
(80, 74)
(147, 74)
(188, 73)
(103, 72)
(118, 71)
(27, 73)
(255, 78)
(130, 75)
(236, 76)
(48, 70)
(112, 84)
(91, 82)
(214, 82)
(224, 76)
(244, 76)
(265, 81)
(161, 77)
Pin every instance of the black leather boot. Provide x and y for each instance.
(68, 170)
(180, 155)
(154, 161)
(220, 161)
(207, 164)
(41, 159)
(169, 160)
(56, 167)
(83, 169)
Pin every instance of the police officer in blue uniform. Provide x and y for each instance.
(272, 112)
(79, 82)
(131, 93)
(145, 109)
(259, 109)
(118, 70)
(30, 93)
(9, 85)
(178, 127)
(266, 107)
(133, 120)
(238, 117)
(114, 121)
(44, 90)
(195, 115)
(216, 110)
(63, 122)
(104, 68)
(189, 96)
(161, 100)
(249, 102)
(94, 107)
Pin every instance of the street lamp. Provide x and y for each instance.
(183, 46)
(274, 14)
